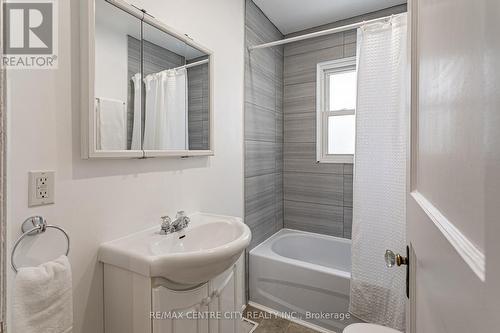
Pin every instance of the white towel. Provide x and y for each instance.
(43, 301)
(112, 121)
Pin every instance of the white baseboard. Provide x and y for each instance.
(297, 321)
(252, 323)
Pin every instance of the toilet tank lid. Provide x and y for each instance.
(368, 328)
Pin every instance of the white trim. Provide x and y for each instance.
(412, 301)
(412, 28)
(3, 189)
(251, 322)
(414, 62)
(469, 252)
(293, 320)
(322, 69)
(337, 158)
(177, 153)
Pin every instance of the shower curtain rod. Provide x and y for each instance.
(193, 64)
(318, 33)
(196, 63)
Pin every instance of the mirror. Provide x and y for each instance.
(176, 96)
(117, 105)
(149, 87)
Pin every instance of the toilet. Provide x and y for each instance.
(368, 328)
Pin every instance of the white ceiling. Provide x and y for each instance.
(295, 15)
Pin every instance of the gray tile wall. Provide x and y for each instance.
(198, 106)
(263, 128)
(284, 186)
(317, 197)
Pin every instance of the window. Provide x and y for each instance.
(336, 109)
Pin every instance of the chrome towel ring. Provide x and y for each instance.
(33, 226)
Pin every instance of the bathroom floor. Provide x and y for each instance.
(269, 323)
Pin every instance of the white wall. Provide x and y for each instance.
(101, 200)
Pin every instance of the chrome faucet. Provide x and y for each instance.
(168, 226)
(165, 225)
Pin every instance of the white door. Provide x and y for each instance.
(181, 311)
(453, 225)
(223, 292)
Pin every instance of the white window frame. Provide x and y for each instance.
(322, 96)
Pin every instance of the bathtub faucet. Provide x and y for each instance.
(181, 221)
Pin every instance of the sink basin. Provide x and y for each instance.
(207, 247)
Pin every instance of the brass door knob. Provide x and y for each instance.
(392, 259)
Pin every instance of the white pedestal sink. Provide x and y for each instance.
(207, 247)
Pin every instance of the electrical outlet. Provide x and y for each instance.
(41, 188)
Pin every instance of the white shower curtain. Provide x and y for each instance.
(378, 293)
(137, 121)
(166, 110)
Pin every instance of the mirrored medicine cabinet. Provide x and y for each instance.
(149, 91)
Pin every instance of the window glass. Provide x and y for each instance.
(336, 110)
(342, 91)
(341, 134)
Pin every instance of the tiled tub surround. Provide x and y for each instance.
(284, 186)
(263, 128)
(317, 196)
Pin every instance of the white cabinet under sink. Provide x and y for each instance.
(187, 281)
(134, 303)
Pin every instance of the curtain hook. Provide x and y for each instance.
(363, 26)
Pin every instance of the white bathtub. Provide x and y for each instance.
(305, 276)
